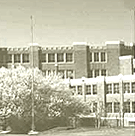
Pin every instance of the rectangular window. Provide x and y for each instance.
(43, 57)
(25, 58)
(88, 90)
(17, 58)
(116, 88)
(126, 88)
(96, 72)
(61, 73)
(127, 107)
(73, 89)
(103, 72)
(109, 88)
(70, 74)
(9, 58)
(133, 107)
(109, 107)
(90, 74)
(133, 87)
(94, 89)
(103, 57)
(90, 56)
(94, 107)
(80, 90)
(51, 57)
(96, 56)
(116, 107)
(69, 57)
(60, 57)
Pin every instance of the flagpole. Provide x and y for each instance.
(32, 88)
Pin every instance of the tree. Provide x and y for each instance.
(52, 96)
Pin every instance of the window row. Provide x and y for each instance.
(59, 57)
(97, 72)
(98, 57)
(16, 58)
(89, 90)
(115, 107)
(63, 73)
(114, 88)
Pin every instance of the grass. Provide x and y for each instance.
(85, 132)
(90, 132)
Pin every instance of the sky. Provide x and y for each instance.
(62, 22)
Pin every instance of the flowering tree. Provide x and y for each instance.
(52, 96)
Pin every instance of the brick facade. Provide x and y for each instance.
(75, 61)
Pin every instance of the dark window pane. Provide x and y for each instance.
(43, 57)
(69, 57)
(9, 58)
(80, 90)
(126, 88)
(90, 57)
(96, 57)
(94, 89)
(60, 57)
(51, 57)
(116, 107)
(88, 90)
(116, 88)
(109, 107)
(103, 58)
(96, 72)
(25, 58)
(103, 72)
(17, 58)
(109, 88)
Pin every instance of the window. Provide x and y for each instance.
(127, 107)
(88, 90)
(103, 57)
(109, 107)
(133, 87)
(96, 57)
(73, 89)
(43, 57)
(116, 107)
(80, 90)
(133, 107)
(90, 74)
(94, 107)
(25, 58)
(126, 88)
(61, 72)
(9, 58)
(70, 74)
(60, 57)
(90, 56)
(69, 57)
(51, 57)
(96, 72)
(109, 88)
(17, 58)
(116, 88)
(94, 89)
(103, 72)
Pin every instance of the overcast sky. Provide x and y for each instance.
(62, 22)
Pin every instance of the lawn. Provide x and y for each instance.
(85, 132)
(91, 132)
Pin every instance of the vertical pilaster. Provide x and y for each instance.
(84, 89)
(56, 58)
(46, 57)
(13, 59)
(121, 101)
(64, 57)
(21, 57)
